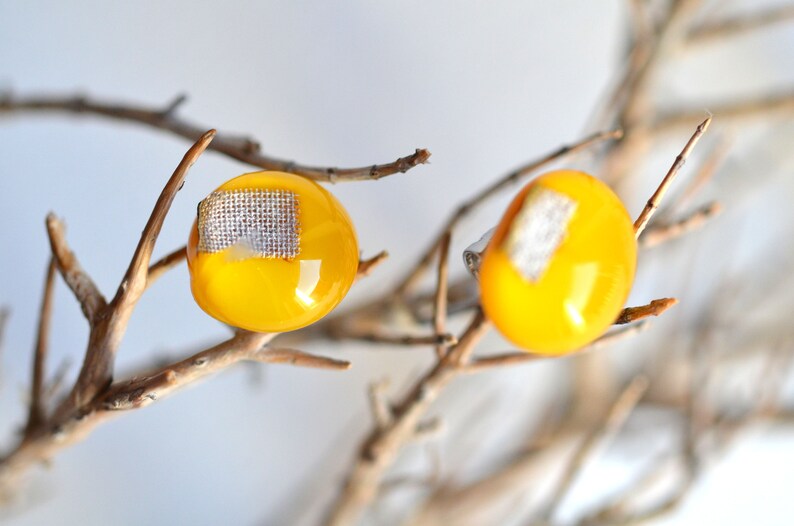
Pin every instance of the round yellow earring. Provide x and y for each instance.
(560, 265)
(271, 252)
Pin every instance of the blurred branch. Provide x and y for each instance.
(242, 149)
(82, 286)
(36, 411)
(742, 24)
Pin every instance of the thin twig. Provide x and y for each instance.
(164, 264)
(519, 357)
(36, 411)
(379, 405)
(366, 266)
(478, 199)
(348, 332)
(440, 301)
(242, 149)
(82, 286)
(661, 233)
(774, 104)
(738, 25)
(653, 202)
(654, 308)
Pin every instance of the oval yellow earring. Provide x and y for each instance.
(271, 252)
(560, 264)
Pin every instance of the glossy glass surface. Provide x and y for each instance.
(277, 295)
(586, 283)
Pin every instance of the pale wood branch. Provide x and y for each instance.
(661, 233)
(479, 364)
(36, 416)
(242, 149)
(440, 300)
(164, 264)
(773, 104)
(108, 329)
(742, 24)
(91, 300)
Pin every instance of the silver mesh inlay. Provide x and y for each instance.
(537, 230)
(265, 222)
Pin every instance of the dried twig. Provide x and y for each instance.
(653, 202)
(109, 325)
(440, 300)
(654, 308)
(92, 302)
(36, 411)
(242, 149)
(738, 25)
(661, 233)
(479, 364)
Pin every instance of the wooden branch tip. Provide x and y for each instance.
(137, 276)
(299, 359)
(654, 308)
(680, 160)
(366, 266)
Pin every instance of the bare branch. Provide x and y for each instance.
(298, 359)
(164, 264)
(244, 150)
(739, 25)
(379, 405)
(36, 411)
(519, 357)
(440, 301)
(366, 266)
(478, 199)
(653, 202)
(659, 234)
(774, 104)
(349, 332)
(654, 308)
(91, 300)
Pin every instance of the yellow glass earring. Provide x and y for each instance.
(560, 265)
(271, 252)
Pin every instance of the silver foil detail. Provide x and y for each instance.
(472, 256)
(264, 222)
(537, 231)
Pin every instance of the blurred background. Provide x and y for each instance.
(485, 86)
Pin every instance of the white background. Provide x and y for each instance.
(484, 85)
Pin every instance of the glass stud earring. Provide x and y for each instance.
(560, 265)
(271, 252)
